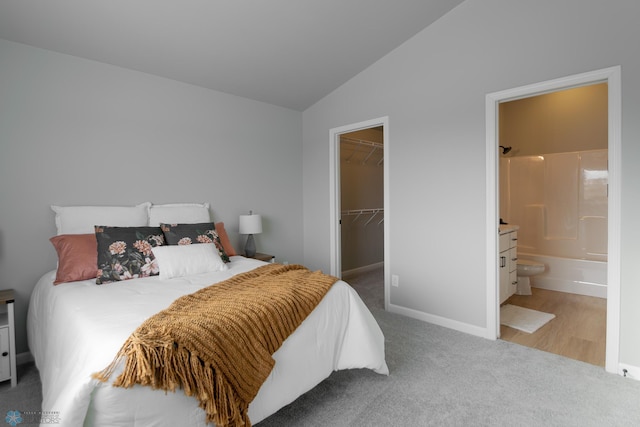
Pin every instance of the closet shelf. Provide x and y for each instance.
(379, 145)
(373, 213)
(374, 146)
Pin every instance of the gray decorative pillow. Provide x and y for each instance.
(187, 234)
(126, 252)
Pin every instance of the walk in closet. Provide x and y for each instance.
(362, 199)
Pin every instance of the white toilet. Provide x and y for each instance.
(526, 269)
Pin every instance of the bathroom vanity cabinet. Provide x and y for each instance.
(508, 261)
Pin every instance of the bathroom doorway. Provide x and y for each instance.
(359, 214)
(611, 78)
(553, 186)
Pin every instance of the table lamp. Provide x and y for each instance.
(250, 224)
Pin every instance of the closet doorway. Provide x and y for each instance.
(359, 218)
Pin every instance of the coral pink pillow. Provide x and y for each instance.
(224, 239)
(77, 257)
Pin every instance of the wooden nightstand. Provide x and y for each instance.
(264, 257)
(7, 338)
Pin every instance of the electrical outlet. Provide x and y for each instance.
(395, 280)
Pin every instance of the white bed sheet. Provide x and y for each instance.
(75, 329)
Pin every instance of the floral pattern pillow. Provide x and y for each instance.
(126, 252)
(187, 234)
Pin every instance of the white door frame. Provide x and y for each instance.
(334, 197)
(612, 77)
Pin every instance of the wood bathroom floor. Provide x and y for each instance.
(578, 330)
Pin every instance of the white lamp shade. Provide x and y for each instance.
(250, 224)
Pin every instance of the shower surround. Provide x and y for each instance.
(559, 200)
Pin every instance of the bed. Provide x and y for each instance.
(75, 328)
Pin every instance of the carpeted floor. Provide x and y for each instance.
(440, 377)
(25, 397)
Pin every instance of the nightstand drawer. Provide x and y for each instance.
(5, 353)
(7, 338)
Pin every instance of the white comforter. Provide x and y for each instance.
(75, 329)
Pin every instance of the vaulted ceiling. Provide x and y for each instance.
(289, 53)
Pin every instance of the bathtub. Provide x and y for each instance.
(576, 276)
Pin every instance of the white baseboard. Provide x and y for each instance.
(438, 320)
(348, 273)
(23, 358)
(629, 371)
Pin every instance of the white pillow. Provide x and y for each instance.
(178, 213)
(82, 219)
(185, 260)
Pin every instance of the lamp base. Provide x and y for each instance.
(250, 247)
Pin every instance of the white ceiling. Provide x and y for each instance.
(289, 53)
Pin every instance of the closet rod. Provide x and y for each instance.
(363, 142)
(361, 211)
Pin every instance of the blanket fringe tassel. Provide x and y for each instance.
(178, 368)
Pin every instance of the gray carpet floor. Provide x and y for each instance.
(440, 377)
(25, 397)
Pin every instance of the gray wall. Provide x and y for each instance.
(75, 132)
(433, 90)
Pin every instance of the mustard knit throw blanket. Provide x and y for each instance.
(217, 343)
